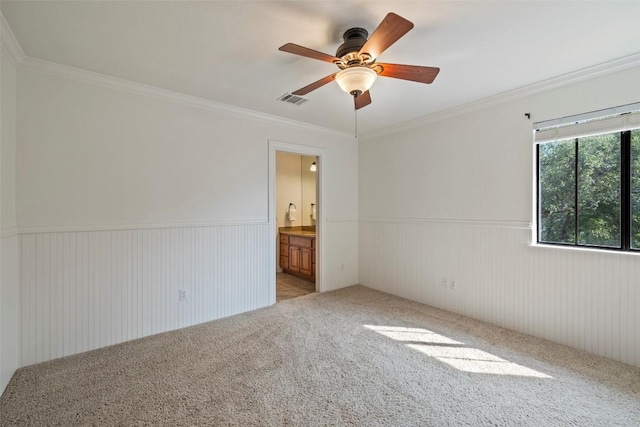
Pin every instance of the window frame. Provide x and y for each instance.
(625, 198)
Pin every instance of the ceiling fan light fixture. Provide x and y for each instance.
(356, 80)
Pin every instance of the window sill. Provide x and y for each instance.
(584, 249)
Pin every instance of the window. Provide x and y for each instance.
(635, 189)
(588, 180)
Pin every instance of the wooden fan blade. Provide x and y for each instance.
(309, 53)
(362, 100)
(415, 73)
(388, 32)
(315, 85)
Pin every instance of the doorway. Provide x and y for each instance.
(295, 202)
(296, 217)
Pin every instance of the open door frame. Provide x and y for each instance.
(304, 150)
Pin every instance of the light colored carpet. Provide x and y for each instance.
(349, 357)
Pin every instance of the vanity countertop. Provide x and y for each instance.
(297, 231)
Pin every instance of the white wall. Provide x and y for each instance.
(124, 199)
(9, 286)
(453, 199)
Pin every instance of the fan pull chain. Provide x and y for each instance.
(355, 111)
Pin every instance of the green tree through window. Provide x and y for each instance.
(635, 189)
(557, 162)
(599, 190)
(585, 186)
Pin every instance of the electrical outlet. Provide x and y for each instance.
(444, 282)
(182, 295)
(453, 285)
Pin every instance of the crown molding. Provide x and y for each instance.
(9, 42)
(13, 49)
(605, 68)
(115, 83)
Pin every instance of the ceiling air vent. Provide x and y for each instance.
(292, 99)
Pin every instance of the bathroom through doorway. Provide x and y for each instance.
(296, 217)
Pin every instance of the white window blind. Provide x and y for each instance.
(615, 119)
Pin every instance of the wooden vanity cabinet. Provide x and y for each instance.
(284, 251)
(297, 256)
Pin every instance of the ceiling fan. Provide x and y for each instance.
(356, 58)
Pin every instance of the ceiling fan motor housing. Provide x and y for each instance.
(354, 39)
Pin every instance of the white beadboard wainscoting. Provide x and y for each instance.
(584, 299)
(89, 289)
(9, 308)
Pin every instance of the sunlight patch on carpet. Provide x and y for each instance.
(420, 335)
(454, 353)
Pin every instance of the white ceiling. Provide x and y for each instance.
(227, 51)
